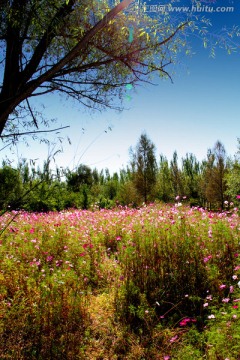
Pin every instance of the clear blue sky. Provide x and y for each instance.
(189, 116)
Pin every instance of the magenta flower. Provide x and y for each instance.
(207, 258)
(238, 197)
(186, 321)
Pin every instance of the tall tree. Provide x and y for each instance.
(176, 176)
(82, 176)
(191, 176)
(164, 188)
(79, 48)
(215, 173)
(10, 187)
(144, 167)
(233, 177)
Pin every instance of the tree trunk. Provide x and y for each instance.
(6, 108)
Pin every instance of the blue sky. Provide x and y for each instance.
(189, 116)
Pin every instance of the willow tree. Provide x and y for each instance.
(81, 49)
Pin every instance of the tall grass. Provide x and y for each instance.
(145, 283)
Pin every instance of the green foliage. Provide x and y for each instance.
(232, 179)
(213, 183)
(164, 186)
(10, 187)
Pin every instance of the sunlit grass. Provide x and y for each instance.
(158, 282)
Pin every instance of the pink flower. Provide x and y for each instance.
(234, 277)
(225, 300)
(167, 357)
(205, 305)
(173, 339)
(223, 286)
(238, 197)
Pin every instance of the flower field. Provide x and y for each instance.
(159, 282)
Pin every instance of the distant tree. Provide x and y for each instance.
(191, 177)
(111, 186)
(128, 194)
(233, 177)
(78, 48)
(10, 188)
(144, 167)
(233, 181)
(215, 175)
(76, 179)
(176, 176)
(164, 187)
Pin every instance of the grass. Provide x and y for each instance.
(160, 282)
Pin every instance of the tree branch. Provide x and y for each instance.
(30, 87)
(33, 132)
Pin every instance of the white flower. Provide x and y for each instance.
(238, 284)
(178, 204)
(211, 316)
(234, 277)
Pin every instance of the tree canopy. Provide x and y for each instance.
(82, 49)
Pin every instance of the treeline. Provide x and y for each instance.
(213, 183)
